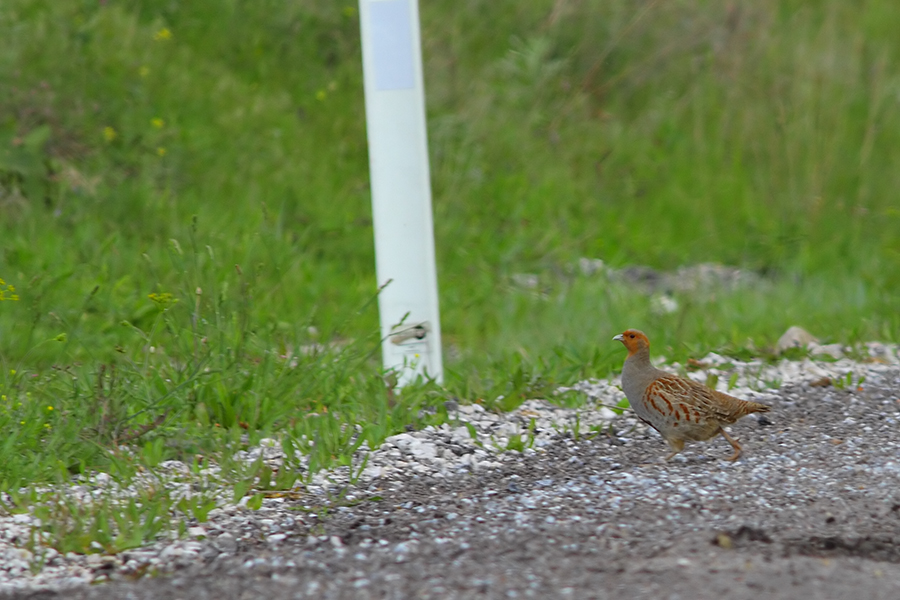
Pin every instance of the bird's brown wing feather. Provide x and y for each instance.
(711, 404)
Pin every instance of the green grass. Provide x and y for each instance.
(186, 223)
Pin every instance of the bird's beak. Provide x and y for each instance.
(618, 338)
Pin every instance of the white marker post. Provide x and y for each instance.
(401, 188)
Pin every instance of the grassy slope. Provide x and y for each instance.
(762, 134)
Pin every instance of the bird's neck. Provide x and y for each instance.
(640, 357)
(637, 374)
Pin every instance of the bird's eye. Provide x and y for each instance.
(631, 336)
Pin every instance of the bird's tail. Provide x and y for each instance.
(755, 407)
(729, 409)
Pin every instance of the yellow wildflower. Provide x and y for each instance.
(7, 291)
(321, 95)
(162, 35)
(163, 300)
(109, 134)
(161, 151)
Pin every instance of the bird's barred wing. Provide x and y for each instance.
(671, 397)
(681, 396)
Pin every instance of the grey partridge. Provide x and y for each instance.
(679, 409)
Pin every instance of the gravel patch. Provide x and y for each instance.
(584, 510)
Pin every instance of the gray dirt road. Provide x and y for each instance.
(811, 511)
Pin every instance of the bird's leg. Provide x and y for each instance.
(677, 446)
(734, 444)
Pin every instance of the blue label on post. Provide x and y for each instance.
(392, 44)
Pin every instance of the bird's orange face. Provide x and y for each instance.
(634, 340)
